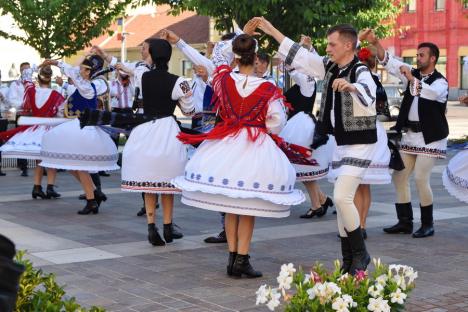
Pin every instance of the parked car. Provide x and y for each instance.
(394, 98)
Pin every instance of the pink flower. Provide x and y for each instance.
(360, 275)
(316, 277)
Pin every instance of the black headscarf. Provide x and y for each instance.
(94, 63)
(160, 51)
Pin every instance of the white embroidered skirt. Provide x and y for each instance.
(299, 130)
(69, 147)
(366, 161)
(26, 144)
(413, 143)
(455, 176)
(239, 176)
(152, 157)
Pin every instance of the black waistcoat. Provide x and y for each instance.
(299, 102)
(157, 88)
(431, 113)
(349, 129)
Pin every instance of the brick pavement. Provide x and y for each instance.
(105, 259)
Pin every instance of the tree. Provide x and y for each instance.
(294, 17)
(59, 28)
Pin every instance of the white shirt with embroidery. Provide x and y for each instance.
(120, 96)
(136, 71)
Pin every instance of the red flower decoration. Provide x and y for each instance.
(364, 54)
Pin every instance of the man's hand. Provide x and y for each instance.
(406, 71)
(266, 26)
(251, 25)
(170, 36)
(201, 71)
(341, 85)
(48, 62)
(463, 99)
(368, 35)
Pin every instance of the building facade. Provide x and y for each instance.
(443, 22)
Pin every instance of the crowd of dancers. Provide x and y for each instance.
(249, 143)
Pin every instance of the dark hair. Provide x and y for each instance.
(228, 36)
(45, 75)
(434, 50)
(263, 57)
(346, 31)
(160, 51)
(24, 64)
(244, 46)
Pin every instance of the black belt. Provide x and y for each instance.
(414, 126)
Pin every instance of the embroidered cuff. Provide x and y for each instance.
(385, 60)
(415, 87)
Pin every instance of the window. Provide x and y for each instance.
(465, 5)
(411, 6)
(410, 60)
(464, 73)
(439, 5)
(186, 68)
(441, 65)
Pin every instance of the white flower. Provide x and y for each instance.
(288, 268)
(274, 301)
(344, 277)
(375, 290)
(325, 292)
(284, 282)
(307, 278)
(400, 281)
(382, 280)
(378, 305)
(262, 294)
(349, 300)
(340, 305)
(398, 296)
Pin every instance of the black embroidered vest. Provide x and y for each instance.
(349, 129)
(157, 88)
(431, 113)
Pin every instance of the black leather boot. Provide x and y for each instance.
(312, 213)
(347, 254)
(10, 272)
(51, 193)
(37, 192)
(99, 196)
(242, 266)
(405, 220)
(171, 233)
(427, 223)
(231, 260)
(359, 253)
(220, 239)
(153, 236)
(91, 207)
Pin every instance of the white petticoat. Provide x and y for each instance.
(69, 147)
(366, 161)
(152, 157)
(299, 130)
(455, 176)
(236, 175)
(413, 143)
(26, 144)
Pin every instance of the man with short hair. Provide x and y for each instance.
(262, 70)
(348, 112)
(422, 116)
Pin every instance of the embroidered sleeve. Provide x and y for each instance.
(183, 93)
(392, 65)
(194, 56)
(84, 86)
(222, 53)
(306, 83)
(15, 94)
(365, 86)
(302, 60)
(437, 91)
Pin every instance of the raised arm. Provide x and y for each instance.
(293, 54)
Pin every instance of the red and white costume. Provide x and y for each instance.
(239, 168)
(25, 141)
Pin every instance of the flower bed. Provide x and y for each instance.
(385, 290)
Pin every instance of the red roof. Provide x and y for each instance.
(188, 25)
